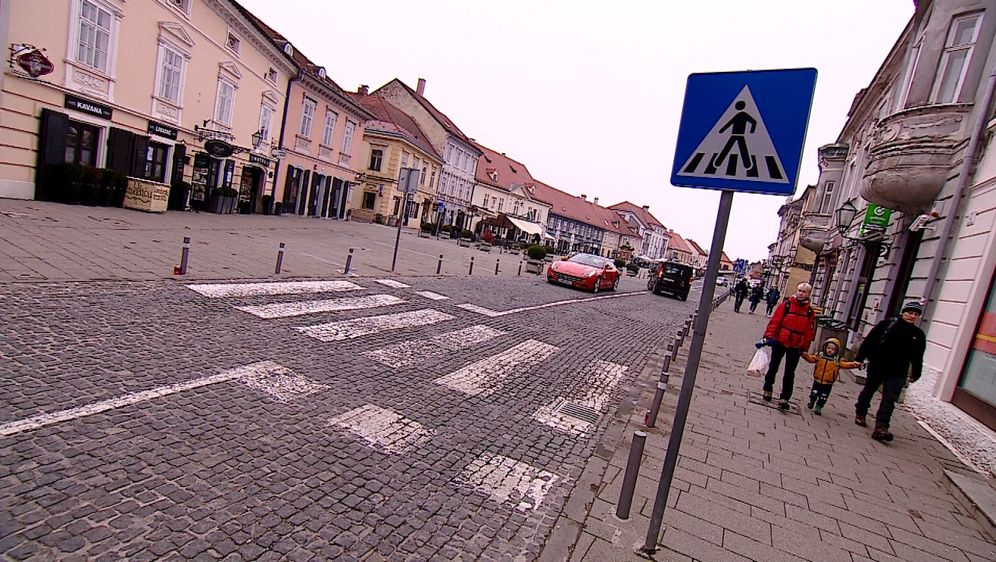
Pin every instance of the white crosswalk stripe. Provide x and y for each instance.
(578, 411)
(417, 351)
(482, 378)
(432, 296)
(507, 480)
(288, 309)
(224, 290)
(384, 428)
(349, 329)
(393, 283)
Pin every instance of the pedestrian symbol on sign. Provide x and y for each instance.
(738, 146)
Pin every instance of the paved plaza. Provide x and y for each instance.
(237, 414)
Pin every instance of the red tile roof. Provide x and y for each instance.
(509, 172)
(391, 119)
(698, 249)
(679, 244)
(439, 116)
(642, 214)
(573, 207)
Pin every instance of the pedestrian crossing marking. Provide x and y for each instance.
(590, 395)
(737, 147)
(384, 429)
(393, 283)
(349, 329)
(432, 296)
(225, 290)
(418, 351)
(288, 309)
(482, 378)
(507, 480)
(281, 384)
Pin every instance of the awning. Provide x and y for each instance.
(526, 226)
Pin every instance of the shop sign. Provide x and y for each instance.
(261, 160)
(161, 130)
(31, 60)
(218, 148)
(89, 107)
(876, 218)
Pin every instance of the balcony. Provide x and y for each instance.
(910, 155)
(814, 232)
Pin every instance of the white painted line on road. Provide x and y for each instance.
(393, 283)
(349, 329)
(417, 351)
(222, 290)
(590, 395)
(483, 377)
(282, 384)
(384, 428)
(432, 296)
(598, 381)
(495, 314)
(507, 480)
(255, 369)
(287, 309)
(552, 416)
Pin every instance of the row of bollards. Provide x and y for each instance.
(650, 421)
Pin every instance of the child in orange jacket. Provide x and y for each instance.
(827, 371)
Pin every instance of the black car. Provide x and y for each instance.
(673, 278)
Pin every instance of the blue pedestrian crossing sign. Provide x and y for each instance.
(744, 131)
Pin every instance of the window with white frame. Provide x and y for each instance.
(911, 67)
(329, 132)
(827, 198)
(170, 73)
(271, 75)
(347, 140)
(94, 36)
(225, 102)
(233, 42)
(265, 121)
(955, 60)
(307, 116)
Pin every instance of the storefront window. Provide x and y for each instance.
(81, 144)
(155, 162)
(976, 392)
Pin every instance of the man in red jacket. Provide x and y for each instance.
(790, 331)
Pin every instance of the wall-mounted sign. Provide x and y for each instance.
(31, 59)
(88, 107)
(876, 218)
(278, 153)
(161, 130)
(261, 160)
(218, 148)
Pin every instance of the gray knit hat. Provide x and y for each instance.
(913, 306)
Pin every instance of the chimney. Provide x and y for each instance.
(584, 197)
(646, 207)
(421, 86)
(596, 200)
(363, 90)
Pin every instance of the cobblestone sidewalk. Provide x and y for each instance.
(754, 483)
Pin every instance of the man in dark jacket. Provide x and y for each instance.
(771, 299)
(789, 332)
(892, 347)
(756, 294)
(740, 293)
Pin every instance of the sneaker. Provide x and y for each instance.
(860, 420)
(882, 434)
(783, 404)
(767, 396)
(818, 411)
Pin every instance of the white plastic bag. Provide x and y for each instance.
(758, 365)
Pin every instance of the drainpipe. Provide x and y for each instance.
(967, 169)
(283, 127)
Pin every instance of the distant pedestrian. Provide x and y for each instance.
(789, 332)
(826, 373)
(740, 293)
(894, 350)
(756, 294)
(771, 299)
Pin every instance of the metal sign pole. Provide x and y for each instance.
(407, 180)
(691, 369)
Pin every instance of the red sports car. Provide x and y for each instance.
(584, 271)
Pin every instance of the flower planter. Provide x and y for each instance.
(535, 266)
(221, 204)
(465, 242)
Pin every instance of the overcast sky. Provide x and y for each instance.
(588, 94)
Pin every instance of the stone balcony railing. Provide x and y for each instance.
(910, 155)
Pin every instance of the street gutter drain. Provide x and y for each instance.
(577, 411)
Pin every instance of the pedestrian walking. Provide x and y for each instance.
(789, 332)
(894, 350)
(740, 293)
(826, 372)
(756, 294)
(771, 299)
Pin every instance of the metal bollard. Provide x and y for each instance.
(349, 262)
(280, 258)
(497, 264)
(667, 364)
(471, 272)
(520, 268)
(632, 472)
(651, 419)
(184, 256)
(439, 266)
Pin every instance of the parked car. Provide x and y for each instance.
(584, 271)
(672, 278)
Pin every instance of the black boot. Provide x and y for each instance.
(881, 433)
